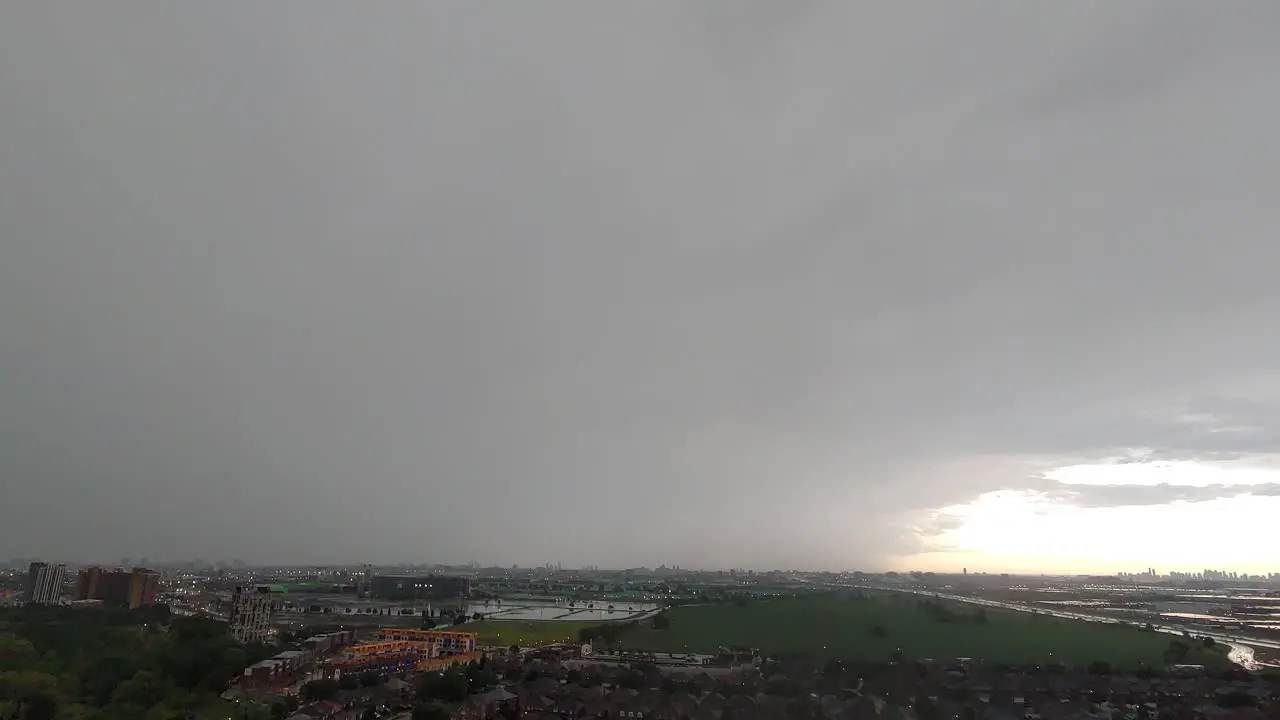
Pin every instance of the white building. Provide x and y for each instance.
(251, 614)
(44, 583)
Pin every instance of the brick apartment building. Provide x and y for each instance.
(122, 588)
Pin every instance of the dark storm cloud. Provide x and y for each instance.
(711, 283)
(1210, 431)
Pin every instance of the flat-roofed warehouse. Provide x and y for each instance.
(419, 587)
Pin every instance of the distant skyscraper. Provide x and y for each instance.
(44, 583)
(251, 613)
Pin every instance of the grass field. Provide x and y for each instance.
(526, 632)
(841, 627)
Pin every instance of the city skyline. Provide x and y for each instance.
(763, 284)
(1224, 573)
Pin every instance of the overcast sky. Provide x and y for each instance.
(799, 284)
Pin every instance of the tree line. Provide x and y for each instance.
(114, 664)
(606, 633)
(942, 612)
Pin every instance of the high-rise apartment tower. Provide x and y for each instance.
(251, 613)
(44, 583)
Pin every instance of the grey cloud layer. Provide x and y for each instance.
(1091, 496)
(708, 284)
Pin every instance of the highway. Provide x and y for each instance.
(1241, 647)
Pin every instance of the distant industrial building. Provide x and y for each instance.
(251, 613)
(412, 587)
(133, 589)
(44, 583)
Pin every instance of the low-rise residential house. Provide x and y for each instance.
(682, 705)
(620, 698)
(544, 685)
(282, 669)
(531, 702)
(486, 705)
(329, 642)
(568, 708)
(323, 710)
(648, 701)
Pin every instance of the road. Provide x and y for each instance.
(1241, 648)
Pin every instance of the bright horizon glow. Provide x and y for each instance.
(1165, 472)
(1022, 531)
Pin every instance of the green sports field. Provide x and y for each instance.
(876, 628)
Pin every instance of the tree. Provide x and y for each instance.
(449, 686)
(144, 689)
(318, 690)
(927, 709)
(40, 707)
(632, 680)
(283, 707)
(937, 610)
(429, 711)
(782, 686)
(16, 652)
(1236, 699)
(479, 677)
(1177, 651)
(1099, 667)
(30, 694)
(115, 664)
